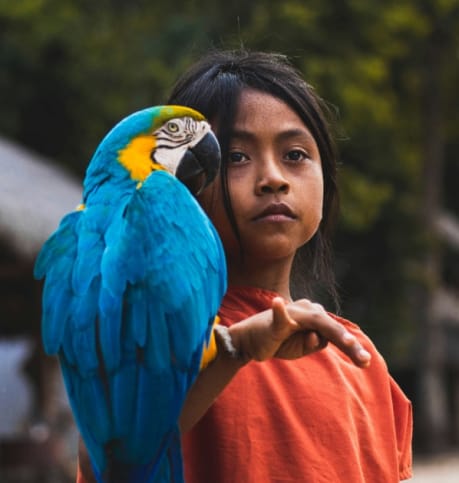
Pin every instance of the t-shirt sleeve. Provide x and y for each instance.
(404, 427)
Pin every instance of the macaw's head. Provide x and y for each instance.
(172, 138)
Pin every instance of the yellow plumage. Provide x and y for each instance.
(135, 157)
(209, 352)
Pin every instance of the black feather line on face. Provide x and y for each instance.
(173, 146)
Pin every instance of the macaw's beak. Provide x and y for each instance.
(200, 164)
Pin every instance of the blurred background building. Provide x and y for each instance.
(37, 434)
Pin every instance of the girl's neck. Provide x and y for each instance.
(273, 275)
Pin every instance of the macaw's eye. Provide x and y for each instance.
(172, 127)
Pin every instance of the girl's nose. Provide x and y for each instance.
(271, 180)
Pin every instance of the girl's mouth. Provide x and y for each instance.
(276, 212)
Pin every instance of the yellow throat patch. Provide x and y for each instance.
(136, 157)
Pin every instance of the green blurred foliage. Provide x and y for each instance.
(71, 68)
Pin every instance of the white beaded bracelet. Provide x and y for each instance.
(223, 338)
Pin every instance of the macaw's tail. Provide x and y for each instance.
(168, 468)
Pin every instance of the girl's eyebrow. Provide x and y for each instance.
(284, 135)
(296, 133)
(241, 134)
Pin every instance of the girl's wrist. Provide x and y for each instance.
(226, 346)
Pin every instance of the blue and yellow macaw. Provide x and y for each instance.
(133, 281)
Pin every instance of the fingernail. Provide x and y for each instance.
(348, 337)
(364, 355)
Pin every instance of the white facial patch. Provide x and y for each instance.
(175, 137)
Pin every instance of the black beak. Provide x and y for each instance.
(200, 164)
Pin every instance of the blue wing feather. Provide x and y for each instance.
(86, 267)
(137, 312)
(175, 298)
(55, 260)
(133, 282)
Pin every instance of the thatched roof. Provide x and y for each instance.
(34, 195)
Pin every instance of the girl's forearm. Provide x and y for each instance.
(209, 384)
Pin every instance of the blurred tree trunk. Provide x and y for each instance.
(432, 419)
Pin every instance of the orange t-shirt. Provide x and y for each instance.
(315, 419)
(318, 419)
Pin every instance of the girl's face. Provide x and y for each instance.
(275, 182)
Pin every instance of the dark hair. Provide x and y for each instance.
(213, 86)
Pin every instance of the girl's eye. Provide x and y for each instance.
(236, 157)
(296, 155)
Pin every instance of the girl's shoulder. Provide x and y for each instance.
(241, 302)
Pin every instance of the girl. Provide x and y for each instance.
(264, 413)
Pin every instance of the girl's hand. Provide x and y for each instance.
(292, 331)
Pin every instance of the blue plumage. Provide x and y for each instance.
(133, 281)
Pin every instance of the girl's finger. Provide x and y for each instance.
(281, 317)
(316, 318)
